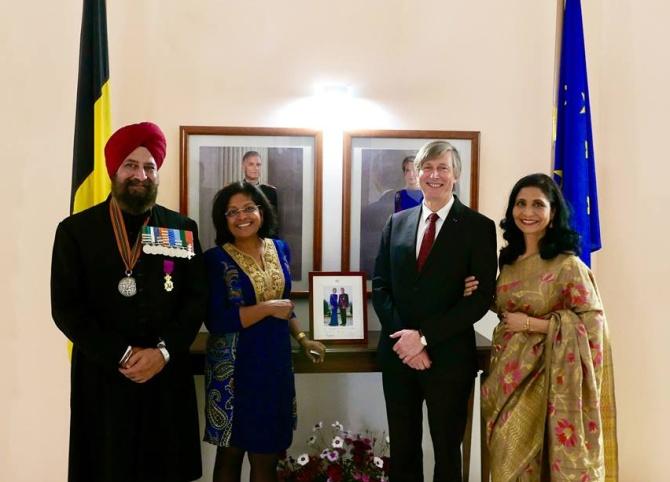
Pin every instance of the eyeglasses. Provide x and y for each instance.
(233, 213)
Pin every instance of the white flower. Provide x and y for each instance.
(379, 462)
(324, 453)
(338, 426)
(311, 440)
(332, 456)
(317, 427)
(337, 442)
(303, 459)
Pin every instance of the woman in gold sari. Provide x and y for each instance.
(548, 402)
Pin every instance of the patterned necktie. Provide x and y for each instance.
(426, 242)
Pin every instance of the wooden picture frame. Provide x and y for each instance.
(372, 174)
(338, 307)
(211, 157)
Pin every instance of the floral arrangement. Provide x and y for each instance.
(338, 455)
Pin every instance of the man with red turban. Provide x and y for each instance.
(128, 289)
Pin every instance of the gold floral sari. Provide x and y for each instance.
(548, 402)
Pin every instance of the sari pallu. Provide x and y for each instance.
(548, 402)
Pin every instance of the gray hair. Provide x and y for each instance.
(435, 149)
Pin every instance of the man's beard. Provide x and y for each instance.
(135, 201)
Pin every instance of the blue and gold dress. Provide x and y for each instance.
(250, 388)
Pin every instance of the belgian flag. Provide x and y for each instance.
(90, 182)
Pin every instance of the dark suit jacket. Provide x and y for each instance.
(271, 193)
(432, 301)
(343, 301)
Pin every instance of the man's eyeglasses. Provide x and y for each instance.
(233, 213)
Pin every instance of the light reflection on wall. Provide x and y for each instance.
(333, 107)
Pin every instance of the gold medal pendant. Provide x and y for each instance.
(168, 285)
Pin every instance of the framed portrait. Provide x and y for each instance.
(379, 179)
(286, 166)
(338, 307)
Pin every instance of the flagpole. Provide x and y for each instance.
(558, 35)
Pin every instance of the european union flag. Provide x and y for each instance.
(574, 164)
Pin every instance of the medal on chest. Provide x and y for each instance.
(168, 268)
(127, 285)
(176, 243)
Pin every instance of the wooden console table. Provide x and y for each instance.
(363, 359)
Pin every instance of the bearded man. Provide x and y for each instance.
(128, 289)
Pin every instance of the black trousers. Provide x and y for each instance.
(343, 316)
(405, 390)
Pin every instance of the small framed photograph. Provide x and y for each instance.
(379, 179)
(286, 165)
(338, 307)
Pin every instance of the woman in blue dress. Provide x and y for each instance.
(410, 196)
(333, 308)
(250, 390)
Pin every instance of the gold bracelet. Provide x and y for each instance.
(527, 325)
(300, 336)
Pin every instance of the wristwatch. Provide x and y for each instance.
(163, 349)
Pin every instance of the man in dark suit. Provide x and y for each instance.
(343, 304)
(427, 348)
(251, 166)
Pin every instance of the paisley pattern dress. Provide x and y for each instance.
(249, 382)
(548, 402)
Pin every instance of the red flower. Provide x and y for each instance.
(570, 357)
(593, 427)
(598, 355)
(565, 432)
(577, 294)
(334, 472)
(511, 377)
(559, 379)
(585, 478)
(505, 288)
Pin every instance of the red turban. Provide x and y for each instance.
(128, 138)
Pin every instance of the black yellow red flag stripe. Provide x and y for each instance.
(90, 182)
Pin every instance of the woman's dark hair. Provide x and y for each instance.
(559, 237)
(220, 206)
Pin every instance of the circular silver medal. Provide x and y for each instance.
(127, 286)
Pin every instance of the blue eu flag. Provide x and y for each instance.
(574, 164)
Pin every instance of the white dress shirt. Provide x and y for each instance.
(423, 223)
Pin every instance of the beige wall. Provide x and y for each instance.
(632, 74)
(484, 66)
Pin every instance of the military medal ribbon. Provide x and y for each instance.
(127, 286)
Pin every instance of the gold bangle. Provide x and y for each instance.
(300, 336)
(527, 326)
